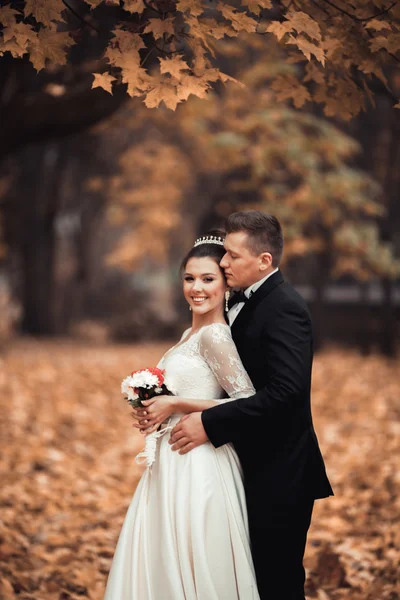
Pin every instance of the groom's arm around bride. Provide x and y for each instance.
(272, 431)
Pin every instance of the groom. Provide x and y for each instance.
(272, 431)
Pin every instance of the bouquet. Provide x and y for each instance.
(143, 385)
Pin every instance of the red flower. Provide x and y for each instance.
(159, 373)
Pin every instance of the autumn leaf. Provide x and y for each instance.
(134, 6)
(138, 80)
(16, 39)
(163, 92)
(44, 11)
(191, 85)
(12, 46)
(104, 80)
(377, 25)
(314, 73)
(174, 66)
(20, 31)
(194, 7)
(288, 87)
(125, 55)
(7, 16)
(49, 45)
(206, 32)
(303, 23)
(391, 43)
(279, 29)
(159, 27)
(240, 21)
(255, 6)
(125, 42)
(307, 48)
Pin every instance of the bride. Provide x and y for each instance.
(185, 535)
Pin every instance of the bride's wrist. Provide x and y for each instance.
(174, 400)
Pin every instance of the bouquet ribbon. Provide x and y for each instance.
(148, 455)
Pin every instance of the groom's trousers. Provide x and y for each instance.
(278, 542)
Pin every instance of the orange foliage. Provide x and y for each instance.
(68, 471)
(346, 44)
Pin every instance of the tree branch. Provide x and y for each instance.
(359, 19)
(78, 16)
(147, 5)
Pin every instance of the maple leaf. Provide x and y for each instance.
(20, 31)
(162, 92)
(134, 6)
(49, 45)
(139, 81)
(44, 11)
(7, 16)
(12, 46)
(125, 41)
(303, 23)
(314, 73)
(307, 48)
(391, 43)
(16, 39)
(174, 66)
(370, 67)
(194, 7)
(240, 21)
(133, 74)
(207, 31)
(225, 78)
(104, 80)
(379, 43)
(288, 87)
(330, 46)
(255, 6)
(159, 27)
(279, 29)
(192, 85)
(378, 25)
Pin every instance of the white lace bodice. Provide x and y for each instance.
(206, 365)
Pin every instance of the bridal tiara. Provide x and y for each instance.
(209, 239)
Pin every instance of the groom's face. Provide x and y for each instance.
(241, 266)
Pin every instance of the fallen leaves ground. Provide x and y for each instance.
(68, 472)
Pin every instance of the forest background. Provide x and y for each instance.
(128, 128)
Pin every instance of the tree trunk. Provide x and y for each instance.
(38, 244)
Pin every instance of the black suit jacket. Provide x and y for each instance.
(272, 431)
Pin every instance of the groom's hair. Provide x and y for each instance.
(264, 232)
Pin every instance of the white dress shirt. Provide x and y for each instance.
(236, 308)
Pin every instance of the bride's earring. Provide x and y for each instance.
(227, 294)
(190, 308)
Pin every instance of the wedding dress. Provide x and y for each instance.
(185, 535)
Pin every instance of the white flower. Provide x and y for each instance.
(144, 379)
(158, 390)
(127, 386)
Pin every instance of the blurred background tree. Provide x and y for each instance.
(100, 196)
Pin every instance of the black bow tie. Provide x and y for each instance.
(236, 298)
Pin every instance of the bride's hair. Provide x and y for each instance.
(206, 250)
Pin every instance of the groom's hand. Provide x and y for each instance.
(188, 433)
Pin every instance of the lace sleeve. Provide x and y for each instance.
(219, 351)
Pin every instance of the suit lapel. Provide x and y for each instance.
(263, 291)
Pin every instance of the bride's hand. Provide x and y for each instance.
(155, 412)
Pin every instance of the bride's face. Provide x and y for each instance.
(204, 285)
